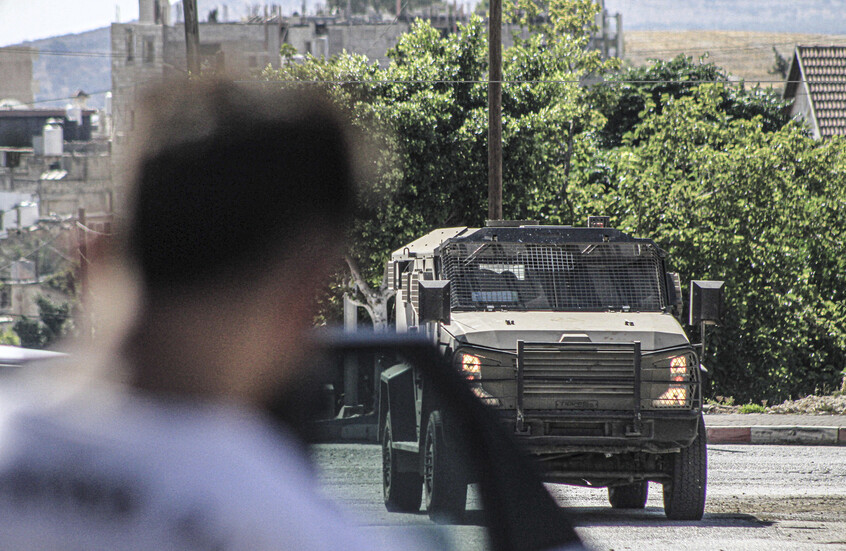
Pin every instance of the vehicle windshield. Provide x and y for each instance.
(566, 277)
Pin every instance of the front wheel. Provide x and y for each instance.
(629, 496)
(444, 483)
(684, 493)
(402, 490)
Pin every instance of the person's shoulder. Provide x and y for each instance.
(166, 469)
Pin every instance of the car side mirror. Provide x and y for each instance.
(674, 291)
(706, 302)
(434, 300)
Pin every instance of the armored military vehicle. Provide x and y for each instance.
(571, 335)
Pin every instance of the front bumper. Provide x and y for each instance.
(546, 432)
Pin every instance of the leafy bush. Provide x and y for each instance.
(30, 333)
(10, 337)
(54, 323)
(752, 408)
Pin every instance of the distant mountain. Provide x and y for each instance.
(784, 16)
(69, 63)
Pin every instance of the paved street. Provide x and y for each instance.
(759, 498)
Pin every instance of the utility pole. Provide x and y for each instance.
(192, 36)
(495, 110)
(82, 249)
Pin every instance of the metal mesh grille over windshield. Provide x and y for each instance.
(570, 276)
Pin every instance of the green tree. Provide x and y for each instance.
(9, 337)
(53, 324)
(780, 66)
(54, 317)
(426, 118)
(626, 95)
(715, 173)
(761, 209)
(29, 332)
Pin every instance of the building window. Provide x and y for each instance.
(252, 62)
(130, 46)
(5, 297)
(149, 49)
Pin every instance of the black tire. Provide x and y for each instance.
(629, 496)
(684, 493)
(444, 482)
(402, 490)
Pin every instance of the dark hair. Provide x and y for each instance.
(229, 174)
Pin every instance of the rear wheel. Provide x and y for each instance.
(629, 496)
(684, 493)
(402, 490)
(444, 482)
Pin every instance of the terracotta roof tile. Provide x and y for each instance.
(824, 69)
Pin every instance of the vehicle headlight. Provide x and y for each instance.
(471, 366)
(487, 398)
(671, 379)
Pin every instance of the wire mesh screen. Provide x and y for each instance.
(570, 276)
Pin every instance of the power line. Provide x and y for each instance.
(123, 87)
(86, 229)
(612, 82)
(60, 53)
(32, 252)
(34, 102)
(539, 81)
(391, 24)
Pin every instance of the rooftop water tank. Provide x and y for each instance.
(53, 138)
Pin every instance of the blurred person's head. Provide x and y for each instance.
(236, 216)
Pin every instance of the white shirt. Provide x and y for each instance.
(105, 469)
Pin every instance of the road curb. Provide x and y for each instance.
(788, 434)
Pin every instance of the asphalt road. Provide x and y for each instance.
(759, 498)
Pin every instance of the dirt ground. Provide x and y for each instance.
(765, 507)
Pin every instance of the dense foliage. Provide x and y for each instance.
(622, 99)
(763, 210)
(424, 117)
(715, 173)
(53, 323)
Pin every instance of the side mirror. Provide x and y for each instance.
(706, 302)
(433, 300)
(674, 291)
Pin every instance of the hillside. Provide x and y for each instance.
(72, 62)
(788, 16)
(744, 55)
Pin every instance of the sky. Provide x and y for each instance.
(22, 20)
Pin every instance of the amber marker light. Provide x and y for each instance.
(471, 366)
(676, 395)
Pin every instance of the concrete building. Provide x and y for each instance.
(816, 82)
(16, 73)
(153, 48)
(326, 37)
(53, 157)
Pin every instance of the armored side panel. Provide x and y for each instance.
(397, 399)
